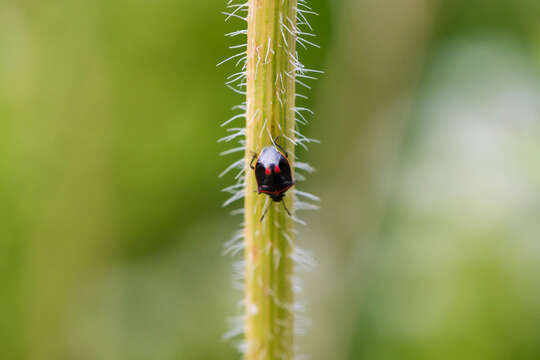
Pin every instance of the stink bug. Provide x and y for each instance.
(273, 173)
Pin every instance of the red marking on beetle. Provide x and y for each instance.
(277, 169)
(277, 192)
(267, 171)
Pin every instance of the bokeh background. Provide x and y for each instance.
(111, 230)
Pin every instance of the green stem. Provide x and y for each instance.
(271, 62)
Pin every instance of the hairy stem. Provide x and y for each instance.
(271, 52)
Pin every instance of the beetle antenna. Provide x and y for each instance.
(285, 207)
(279, 146)
(265, 211)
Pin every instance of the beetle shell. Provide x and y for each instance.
(273, 173)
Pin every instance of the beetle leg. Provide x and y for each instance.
(265, 211)
(285, 207)
(252, 159)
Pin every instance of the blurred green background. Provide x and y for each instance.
(111, 230)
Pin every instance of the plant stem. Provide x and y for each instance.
(271, 62)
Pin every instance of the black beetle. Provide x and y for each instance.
(273, 173)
